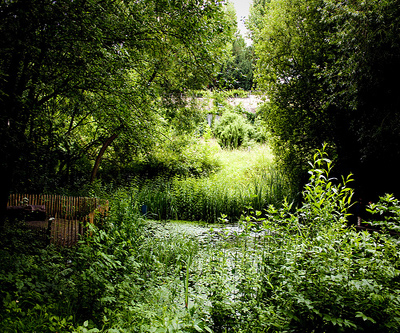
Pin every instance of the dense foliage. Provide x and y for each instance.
(90, 81)
(244, 178)
(330, 70)
(237, 70)
(79, 79)
(281, 270)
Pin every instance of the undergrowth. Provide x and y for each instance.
(246, 178)
(282, 270)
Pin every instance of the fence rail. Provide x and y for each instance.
(70, 214)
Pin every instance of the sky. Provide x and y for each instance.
(242, 12)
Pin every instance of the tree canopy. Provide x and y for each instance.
(330, 69)
(237, 71)
(79, 75)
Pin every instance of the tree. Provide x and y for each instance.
(290, 48)
(237, 71)
(102, 66)
(255, 22)
(328, 68)
(364, 85)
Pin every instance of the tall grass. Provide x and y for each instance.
(284, 270)
(247, 178)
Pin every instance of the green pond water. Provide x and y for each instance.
(191, 229)
(205, 233)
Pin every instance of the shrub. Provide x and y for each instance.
(233, 131)
(179, 158)
(305, 271)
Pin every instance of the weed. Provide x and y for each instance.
(238, 184)
(280, 269)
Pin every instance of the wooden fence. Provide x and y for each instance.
(69, 214)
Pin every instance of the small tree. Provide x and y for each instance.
(233, 130)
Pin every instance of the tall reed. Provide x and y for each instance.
(247, 179)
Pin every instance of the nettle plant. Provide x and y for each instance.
(325, 276)
(326, 201)
(386, 213)
(307, 271)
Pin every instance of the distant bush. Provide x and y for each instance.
(238, 128)
(193, 160)
(233, 131)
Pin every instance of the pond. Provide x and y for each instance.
(203, 232)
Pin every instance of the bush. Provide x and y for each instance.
(179, 158)
(307, 272)
(233, 131)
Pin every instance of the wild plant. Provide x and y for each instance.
(309, 272)
(226, 192)
(284, 269)
(385, 214)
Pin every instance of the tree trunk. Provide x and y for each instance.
(100, 155)
(5, 187)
